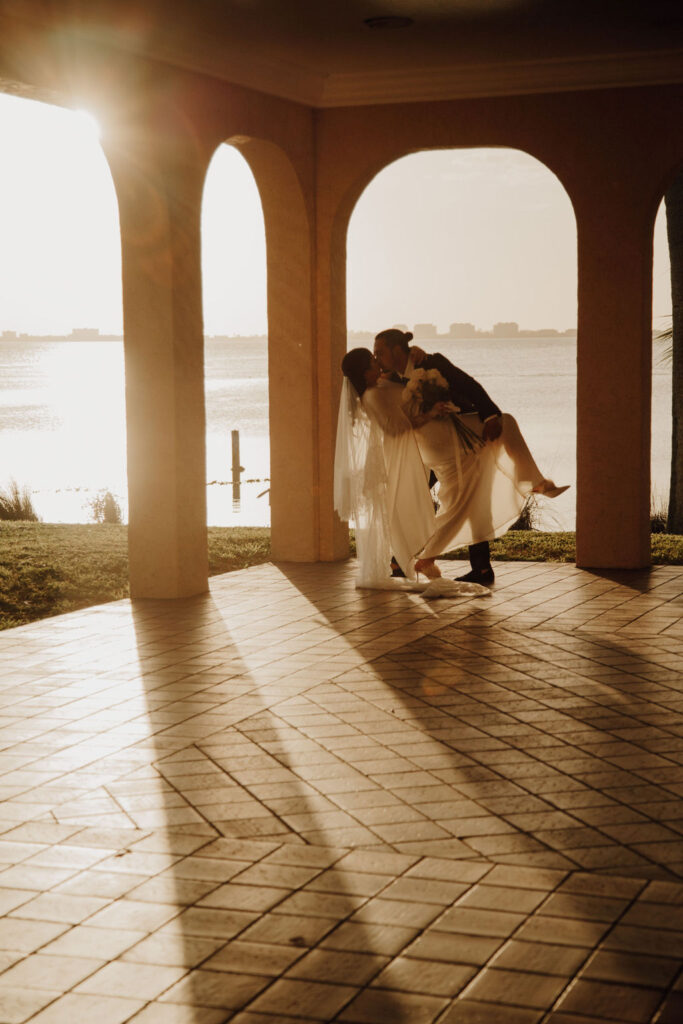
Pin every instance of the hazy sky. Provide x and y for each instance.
(455, 235)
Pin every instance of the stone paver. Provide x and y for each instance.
(292, 800)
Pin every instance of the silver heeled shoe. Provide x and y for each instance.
(428, 568)
(549, 489)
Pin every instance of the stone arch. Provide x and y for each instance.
(335, 286)
(292, 360)
(608, 156)
(357, 186)
(348, 207)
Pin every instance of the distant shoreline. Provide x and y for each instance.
(119, 337)
(353, 336)
(356, 337)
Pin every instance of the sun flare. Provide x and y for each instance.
(88, 124)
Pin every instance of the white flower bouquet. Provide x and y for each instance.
(426, 388)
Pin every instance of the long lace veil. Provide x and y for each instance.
(360, 486)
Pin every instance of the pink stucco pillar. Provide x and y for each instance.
(614, 384)
(159, 191)
(292, 358)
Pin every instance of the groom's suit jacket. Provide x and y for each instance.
(466, 392)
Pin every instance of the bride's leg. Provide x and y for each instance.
(527, 473)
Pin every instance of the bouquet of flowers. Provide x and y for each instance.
(425, 388)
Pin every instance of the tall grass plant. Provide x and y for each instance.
(16, 504)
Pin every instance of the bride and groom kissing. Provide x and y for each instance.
(408, 419)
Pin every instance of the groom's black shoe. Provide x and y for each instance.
(480, 560)
(483, 576)
(396, 569)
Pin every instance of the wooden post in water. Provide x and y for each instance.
(236, 468)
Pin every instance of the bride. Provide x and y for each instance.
(380, 481)
(383, 445)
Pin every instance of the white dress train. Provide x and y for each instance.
(380, 484)
(481, 493)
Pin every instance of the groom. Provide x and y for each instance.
(392, 349)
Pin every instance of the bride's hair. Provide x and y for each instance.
(354, 364)
(392, 337)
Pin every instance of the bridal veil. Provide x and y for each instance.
(360, 486)
(380, 483)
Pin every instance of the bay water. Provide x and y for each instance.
(62, 419)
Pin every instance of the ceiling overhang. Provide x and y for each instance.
(322, 54)
(449, 82)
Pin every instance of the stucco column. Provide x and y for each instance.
(614, 384)
(287, 202)
(332, 225)
(159, 194)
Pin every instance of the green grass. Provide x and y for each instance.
(534, 546)
(529, 546)
(47, 569)
(236, 547)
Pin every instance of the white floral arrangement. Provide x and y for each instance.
(425, 388)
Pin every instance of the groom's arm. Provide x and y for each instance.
(460, 383)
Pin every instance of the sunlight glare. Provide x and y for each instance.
(88, 124)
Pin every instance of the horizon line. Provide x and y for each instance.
(93, 333)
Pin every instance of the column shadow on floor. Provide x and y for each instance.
(263, 914)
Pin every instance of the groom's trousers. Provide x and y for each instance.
(480, 556)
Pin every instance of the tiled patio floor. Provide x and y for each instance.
(291, 800)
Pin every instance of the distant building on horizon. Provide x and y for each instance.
(425, 331)
(462, 331)
(84, 334)
(506, 329)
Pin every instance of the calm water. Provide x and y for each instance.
(62, 425)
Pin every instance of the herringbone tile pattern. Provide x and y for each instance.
(292, 800)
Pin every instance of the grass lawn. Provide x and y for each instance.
(535, 546)
(47, 569)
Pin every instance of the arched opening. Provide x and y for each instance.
(291, 356)
(661, 374)
(62, 413)
(475, 252)
(236, 344)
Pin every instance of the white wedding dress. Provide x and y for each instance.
(481, 492)
(381, 484)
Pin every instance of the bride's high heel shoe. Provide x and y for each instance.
(428, 568)
(549, 489)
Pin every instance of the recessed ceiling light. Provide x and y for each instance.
(389, 21)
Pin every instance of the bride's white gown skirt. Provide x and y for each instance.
(481, 493)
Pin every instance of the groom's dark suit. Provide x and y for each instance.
(466, 392)
(469, 396)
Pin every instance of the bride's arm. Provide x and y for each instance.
(438, 411)
(383, 405)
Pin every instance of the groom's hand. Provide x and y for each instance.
(492, 428)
